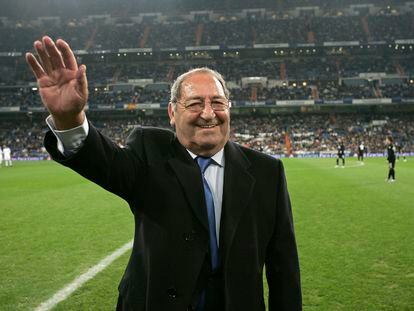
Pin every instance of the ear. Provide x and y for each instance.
(171, 114)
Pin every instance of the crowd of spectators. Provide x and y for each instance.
(308, 68)
(319, 134)
(134, 7)
(287, 92)
(225, 30)
(303, 78)
(287, 134)
(24, 98)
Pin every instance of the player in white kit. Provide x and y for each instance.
(7, 156)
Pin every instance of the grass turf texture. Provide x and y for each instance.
(355, 234)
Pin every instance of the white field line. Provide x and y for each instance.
(66, 291)
(325, 168)
(350, 166)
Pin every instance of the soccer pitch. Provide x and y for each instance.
(355, 235)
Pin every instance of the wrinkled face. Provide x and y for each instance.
(206, 132)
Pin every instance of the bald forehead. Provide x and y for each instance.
(202, 84)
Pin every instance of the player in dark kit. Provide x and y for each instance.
(340, 154)
(399, 148)
(390, 159)
(361, 151)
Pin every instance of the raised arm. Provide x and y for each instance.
(63, 85)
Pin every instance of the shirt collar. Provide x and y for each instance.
(218, 158)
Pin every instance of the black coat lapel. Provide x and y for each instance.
(189, 176)
(238, 188)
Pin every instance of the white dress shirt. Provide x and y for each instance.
(214, 175)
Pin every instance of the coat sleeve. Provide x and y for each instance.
(100, 160)
(282, 264)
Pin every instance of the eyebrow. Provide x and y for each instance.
(201, 97)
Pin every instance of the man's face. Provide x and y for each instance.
(206, 132)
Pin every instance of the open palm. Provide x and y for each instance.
(62, 84)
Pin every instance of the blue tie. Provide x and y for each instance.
(204, 163)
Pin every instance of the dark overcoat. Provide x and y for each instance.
(163, 187)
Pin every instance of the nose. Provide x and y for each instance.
(207, 113)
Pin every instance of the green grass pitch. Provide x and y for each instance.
(355, 235)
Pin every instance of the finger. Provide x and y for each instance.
(35, 66)
(54, 55)
(82, 81)
(44, 58)
(67, 53)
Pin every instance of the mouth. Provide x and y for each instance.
(207, 126)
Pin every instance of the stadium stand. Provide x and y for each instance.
(322, 70)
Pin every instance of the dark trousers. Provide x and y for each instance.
(391, 170)
(340, 157)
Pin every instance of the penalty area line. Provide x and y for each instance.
(66, 291)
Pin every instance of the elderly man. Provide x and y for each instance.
(209, 214)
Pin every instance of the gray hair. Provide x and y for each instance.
(176, 87)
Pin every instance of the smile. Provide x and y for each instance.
(207, 126)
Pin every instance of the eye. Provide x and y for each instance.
(218, 105)
(194, 105)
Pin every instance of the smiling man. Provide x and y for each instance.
(199, 110)
(209, 214)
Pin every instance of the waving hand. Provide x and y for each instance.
(63, 86)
